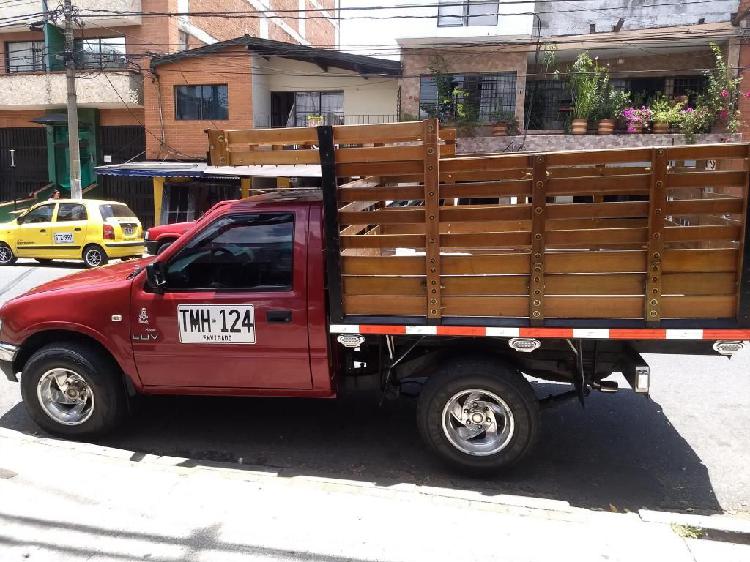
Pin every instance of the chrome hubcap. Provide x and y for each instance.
(65, 396)
(478, 422)
(93, 257)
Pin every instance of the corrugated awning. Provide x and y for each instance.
(203, 170)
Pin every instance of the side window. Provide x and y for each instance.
(40, 214)
(249, 253)
(71, 212)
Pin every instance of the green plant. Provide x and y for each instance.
(611, 102)
(664, 110)
(722, 92)
(694, 121)
(585, 84)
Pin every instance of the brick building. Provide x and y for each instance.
(114, 46)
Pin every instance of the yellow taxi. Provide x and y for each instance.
(79, 229)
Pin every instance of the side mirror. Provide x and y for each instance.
(155, 277)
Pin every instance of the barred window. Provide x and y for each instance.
(25, 56)
(476, 97)
(470, 13)
(100, 53)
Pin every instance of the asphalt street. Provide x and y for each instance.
(684, 449)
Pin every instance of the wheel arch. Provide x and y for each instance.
(39, 339)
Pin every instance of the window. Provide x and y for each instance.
(544, 101)
(119, 210)
(690, 86)
(25, 56)
(249, 253)
(201, 102)
(40, 214)
(471, 12)
(329, 105)
(478, 96)
(71, 212)
(101, 53)
(183, 40)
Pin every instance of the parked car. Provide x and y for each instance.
(72, 229)
(159, 238)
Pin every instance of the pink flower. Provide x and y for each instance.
(724, 114)
(747, 94)
(725, 93)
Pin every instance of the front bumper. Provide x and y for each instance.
(8, 354)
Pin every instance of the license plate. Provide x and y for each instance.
(213, 323)
(63, 238)
(128, 230)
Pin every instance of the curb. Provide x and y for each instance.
(724, 526)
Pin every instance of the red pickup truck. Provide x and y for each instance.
(306, 293)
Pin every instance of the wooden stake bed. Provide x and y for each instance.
(646, 237)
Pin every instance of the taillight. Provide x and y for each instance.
(108, 232)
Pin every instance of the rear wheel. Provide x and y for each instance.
(7, 257)
(478, 416)
(73, 390)
(94, 256)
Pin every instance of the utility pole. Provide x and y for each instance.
(70, 73)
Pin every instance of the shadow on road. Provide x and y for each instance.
(619, 453)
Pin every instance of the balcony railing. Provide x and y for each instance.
(305, 119)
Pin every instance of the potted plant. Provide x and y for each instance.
(315, 120)
(504, 123)
(611, 104)
(665, 113)
(695, 120)
(637, 119)
(722, 94)
(584, 85)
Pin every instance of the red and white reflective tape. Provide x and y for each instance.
(564, 333)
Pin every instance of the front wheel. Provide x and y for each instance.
(478, 416)
(73, 390)
(7, 257)
(94, 256)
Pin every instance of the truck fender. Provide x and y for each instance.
(39, 335)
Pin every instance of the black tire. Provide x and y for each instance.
(43, 261)
(7, 257)
(490, 375)
(164, 246)
(94, 255)
(98, 370)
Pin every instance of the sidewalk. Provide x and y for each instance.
(62, 501)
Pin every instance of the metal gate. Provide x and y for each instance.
(23, 161)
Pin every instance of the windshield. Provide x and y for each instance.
(118, 210)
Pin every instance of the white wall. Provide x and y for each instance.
(362, 96)
(569, 18)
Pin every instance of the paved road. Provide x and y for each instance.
(685, 449)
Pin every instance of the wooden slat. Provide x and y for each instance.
(597, 171)
(486, 189)
(273, 157)
(596, 262)
(714, 178)
(699, 284)
(484, 163)
(486, 175)
(633, 184)
(595, 284)
(359, 285)
(485, 213)
(690, 260)
(385, 132)
(402, 168)
(597, 210)
(701, 232)
(382, 265)
(507, 239)
(591, 157)
(379, 154)
(704, 206)
(597, 237)
(285, 136)
(707, 151)
(397, 305)
(399, 193)
(389, 215)
(486, 264)
(383, 241)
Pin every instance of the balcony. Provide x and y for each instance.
(20, 9)
(110, 89)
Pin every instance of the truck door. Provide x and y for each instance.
(35, 232)
(234, 310)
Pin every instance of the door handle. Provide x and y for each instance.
(77, 229)
(43, 230)
(282, 316)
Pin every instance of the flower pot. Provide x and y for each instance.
(500, 130)
(606, 127)
(579, 126)
(661, 128)
(635, 128)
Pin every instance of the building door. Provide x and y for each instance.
(62, 155)
(23, 162)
